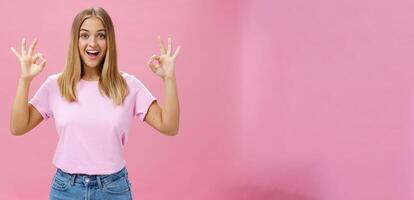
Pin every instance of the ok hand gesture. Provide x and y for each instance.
(166, 61)
(28, 60)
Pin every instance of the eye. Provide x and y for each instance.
(84, 35)
(101, 35)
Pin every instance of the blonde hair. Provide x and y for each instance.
(111, 82)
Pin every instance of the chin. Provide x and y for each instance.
(92, 64)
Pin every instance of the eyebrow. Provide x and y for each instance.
(96, 31)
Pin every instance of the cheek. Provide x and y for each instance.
(103, 45)
(81, 46)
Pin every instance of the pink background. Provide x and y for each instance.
(290, 100)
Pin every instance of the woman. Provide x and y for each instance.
(93, 105)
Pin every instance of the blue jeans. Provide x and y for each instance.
(66, 186)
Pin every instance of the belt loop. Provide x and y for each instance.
(72, 181)
(98, 178)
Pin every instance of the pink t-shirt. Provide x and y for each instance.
(92, 132)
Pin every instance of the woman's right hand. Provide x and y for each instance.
(29, 64)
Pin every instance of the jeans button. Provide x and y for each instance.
(87, 179)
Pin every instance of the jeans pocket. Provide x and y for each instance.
(60, 183)
(117, 186)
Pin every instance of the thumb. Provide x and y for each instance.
(154, 57)
(43, 63)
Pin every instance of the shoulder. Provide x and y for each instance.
(136, 85)
(127, 77)
(131, 80)
(54, 77)
(51, 79)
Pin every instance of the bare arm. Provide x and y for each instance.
(24, 116)
(166, 118)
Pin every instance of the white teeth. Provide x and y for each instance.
(92, 51)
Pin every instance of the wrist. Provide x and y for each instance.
(171, 77)
(26, 79)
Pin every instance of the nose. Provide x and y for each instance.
(92, 41)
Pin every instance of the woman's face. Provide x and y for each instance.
(92, 42)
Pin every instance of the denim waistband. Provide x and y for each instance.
(93, 179)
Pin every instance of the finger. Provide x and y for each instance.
(177, 51)
(43, 63)
(36, 57)
(15, 52)
(32, 47)
(162, 48)
(152, 65)
(153, 57)
(23, 48)
(169, 46)
(153, 68)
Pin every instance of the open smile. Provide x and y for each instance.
(92, 54)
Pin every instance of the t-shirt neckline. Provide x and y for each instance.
(91, 82)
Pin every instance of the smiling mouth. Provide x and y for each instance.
(92, 54)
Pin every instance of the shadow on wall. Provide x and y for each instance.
(297, 182)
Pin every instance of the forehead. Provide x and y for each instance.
(92, 24)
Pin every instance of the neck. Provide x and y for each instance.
(89, 73)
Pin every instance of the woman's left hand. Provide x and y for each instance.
(165, 65)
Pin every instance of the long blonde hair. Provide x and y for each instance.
(111, 82)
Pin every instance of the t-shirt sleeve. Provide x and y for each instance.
(41, 100)
(143, 100)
